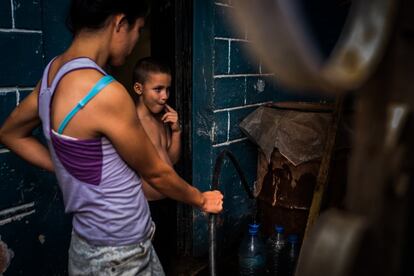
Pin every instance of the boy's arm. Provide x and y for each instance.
(174, 147)
(16, 133)
(116, 118)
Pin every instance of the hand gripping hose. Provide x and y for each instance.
(213, 217)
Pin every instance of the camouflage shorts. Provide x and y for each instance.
(139, 259)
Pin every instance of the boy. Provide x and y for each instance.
(152, 81)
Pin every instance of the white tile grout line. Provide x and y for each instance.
(240, 107)
(228, 58)
(229, 142)
(12, 13)
(223, 5)
(17, 217)
(17, 97)
(232, 39)
(228, 126)
(242, 75)
(8, 89)
(13, 210)
(245, 90)
(20, 31)
(15, 88)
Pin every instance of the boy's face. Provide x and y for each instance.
(155, 91)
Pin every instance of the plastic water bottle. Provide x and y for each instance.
(292, 254)
(252, 259)
(275, 246)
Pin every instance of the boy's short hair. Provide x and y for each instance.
(148, 65)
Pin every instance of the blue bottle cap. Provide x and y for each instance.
(279, 229)
(293, 238)
(253, 228)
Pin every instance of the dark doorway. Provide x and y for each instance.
(168, 36)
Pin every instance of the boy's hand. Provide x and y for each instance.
(171, 117)
(213, 202)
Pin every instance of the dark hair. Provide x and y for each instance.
(92, 14)
(148, 65)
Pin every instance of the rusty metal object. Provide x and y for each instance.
(286, 192)
(288, 50)
(5, 257)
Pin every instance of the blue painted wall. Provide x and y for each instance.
(228, 84)
(225, 90)
(32, 222)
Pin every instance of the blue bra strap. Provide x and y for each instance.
(104, 81)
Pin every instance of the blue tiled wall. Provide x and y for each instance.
(228, 84)
(31, 33)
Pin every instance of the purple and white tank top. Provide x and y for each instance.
(104, 194)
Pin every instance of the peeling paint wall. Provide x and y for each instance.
(32, 221)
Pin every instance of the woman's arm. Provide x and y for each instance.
(16, 133)
(150, 193)
(116, 118)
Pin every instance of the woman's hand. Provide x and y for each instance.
(213, 202)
